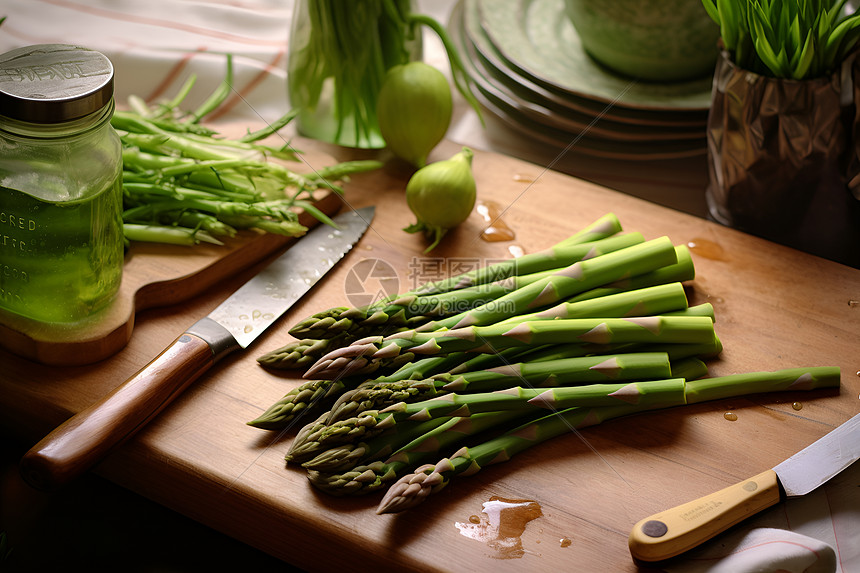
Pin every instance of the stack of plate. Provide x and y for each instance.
(532, 73)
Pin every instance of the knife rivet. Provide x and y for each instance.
(654, 528)
(750, 486)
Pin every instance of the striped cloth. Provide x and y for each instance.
(155, 45)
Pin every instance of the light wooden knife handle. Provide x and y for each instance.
(681, 528)
(87, 437)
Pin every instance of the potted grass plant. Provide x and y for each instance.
(779, 128)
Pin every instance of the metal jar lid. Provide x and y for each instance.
(52, 83)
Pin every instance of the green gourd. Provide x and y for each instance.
(441, 195)
(414, 109)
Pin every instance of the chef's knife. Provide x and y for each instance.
(85, 438)
(677, 530)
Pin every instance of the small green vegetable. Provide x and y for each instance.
(414, 109)
(441, 195)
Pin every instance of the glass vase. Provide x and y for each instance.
(339, 53)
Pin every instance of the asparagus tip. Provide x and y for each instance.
(410, 490)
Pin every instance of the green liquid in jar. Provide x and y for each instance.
(60, 261)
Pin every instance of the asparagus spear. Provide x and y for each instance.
(498, 356)
(322, 434)
(541, 373)
(303, 353)
(419, 369)
(347, 456)
(669, 391)
(413, 309)
(310, 396)
(704, 309)
(682, 270)
(562, 255)
(666, 329)
(689, 368)
(319, 436)
(654, 299)
(658, 299)
(569, 281)
(316, 394)
(651, 299)
(378, 396)
(370, 475)
(409, 310)
(412, 489)
(732, 385)
(684, 357)
(560, 372)
(605, 226)
(482, 361)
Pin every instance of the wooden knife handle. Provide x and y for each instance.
(681, 528)
(87, 437)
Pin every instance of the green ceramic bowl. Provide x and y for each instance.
(652, 40)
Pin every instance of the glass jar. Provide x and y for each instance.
(61, 231)
(338, 55)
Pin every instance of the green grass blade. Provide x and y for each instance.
(805, 59)
(712, 10)
(729, 18)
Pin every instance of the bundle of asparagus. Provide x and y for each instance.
(596, 327)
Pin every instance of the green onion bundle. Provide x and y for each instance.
(443, 382)
(183, 183)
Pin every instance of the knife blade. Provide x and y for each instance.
(87, 437)
(674, 531)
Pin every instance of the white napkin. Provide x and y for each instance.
(816, 533)
(762, 550)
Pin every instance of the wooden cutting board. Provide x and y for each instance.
(579, 494)
(153, 275)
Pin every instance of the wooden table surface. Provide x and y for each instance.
(775, 308)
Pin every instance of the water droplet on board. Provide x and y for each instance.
(519, 177)
(730, 416)
(497, 230)
(505, 523)
(516, 251)
(707, 249)
(797, 406)
(565, 541)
